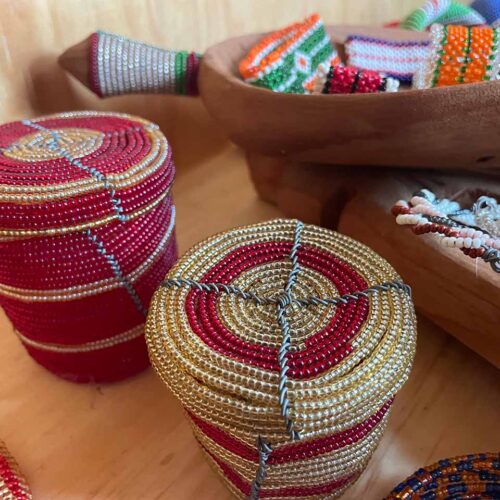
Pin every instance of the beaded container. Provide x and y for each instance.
(475, 231)
(288, 60)
(13, 485)
(460, 54)
(86, 236)
(286, 345)
(470, 476)
(119, 65)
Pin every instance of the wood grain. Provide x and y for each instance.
(460, 295)
(414, 129)
(129, 441)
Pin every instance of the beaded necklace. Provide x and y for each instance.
(476, 231)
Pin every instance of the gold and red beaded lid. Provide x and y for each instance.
(72, 171)
(283, 332)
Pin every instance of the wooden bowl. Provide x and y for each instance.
(451, 127)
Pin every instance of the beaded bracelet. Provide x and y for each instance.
(13, 485)
(469, 476)
(86, 235)
(476, 231)
(286, 345)
(395, 59)
(288, 60)
(443, 12)
(119, 65)
(489, 9)
(349, 80)
(460, 55)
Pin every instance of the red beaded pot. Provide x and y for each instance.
(13, 485)
(286, 345)
(86, 235)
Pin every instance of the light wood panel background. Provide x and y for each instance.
(129, 441)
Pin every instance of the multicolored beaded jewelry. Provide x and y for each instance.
(119, 65)
(476, 231)
(460, 55)
(86, 235)
(469, 476)
(13, 485)
(489, 9)
(443, 12)
(395, 59)
(286, 344)
(349, 80)
(288, 60)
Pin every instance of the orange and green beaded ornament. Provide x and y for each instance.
(288, 60)
(459, 55)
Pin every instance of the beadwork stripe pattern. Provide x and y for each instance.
(119, 65)
(215, 337)
(87, 233)
(396, 59)
(460, 54)
(350, 80)
(13, 485)
(468, 476)
(87, 347)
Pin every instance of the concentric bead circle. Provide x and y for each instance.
(218, 352)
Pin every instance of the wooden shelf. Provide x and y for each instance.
(130, 440)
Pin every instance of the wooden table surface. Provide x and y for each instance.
(129, 441)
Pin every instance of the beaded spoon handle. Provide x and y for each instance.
(111, 65)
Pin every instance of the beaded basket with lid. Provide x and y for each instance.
(86, 236)
(286, 344)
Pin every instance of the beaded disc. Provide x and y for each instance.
(469, 476)
(86, 235)
(291, 335)
(13, 485)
